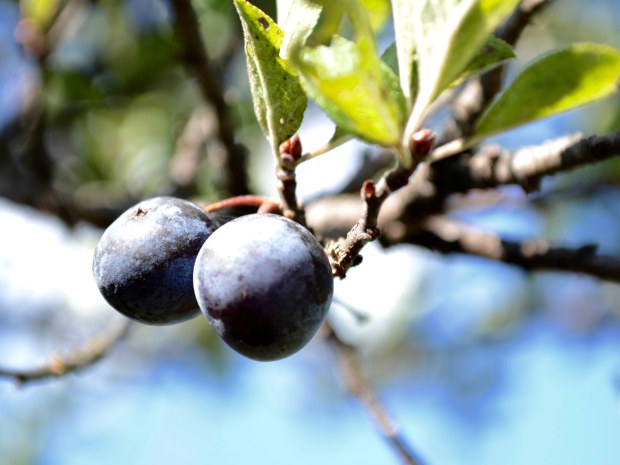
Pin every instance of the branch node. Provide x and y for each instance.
(343, 253)
(289, 153)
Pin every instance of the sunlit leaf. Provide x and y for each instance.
(378, 10)
(279, 100)
(308, 22)
(561, 80)
(494, 52)
(404, 24)
(448, 34)
(355, 88)
(298, 19)
(350, 82)
(329, 23)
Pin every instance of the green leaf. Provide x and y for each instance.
(390, 58)
(298, 19)
(448, 34)
(315, 22)
(329, 23)
(404, 25)
(494, 52)
(355, 88)
(378, 10)
(279, 100)
(558, 81)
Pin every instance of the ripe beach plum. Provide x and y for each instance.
(265, 285)
(144, 262)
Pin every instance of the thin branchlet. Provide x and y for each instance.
(344, 253)
(79, 358)
(361, 388)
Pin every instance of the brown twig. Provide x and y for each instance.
(359, 386)
(449, 236)
(93, 350)
(522, 16)
(344, 253)
(196, 59)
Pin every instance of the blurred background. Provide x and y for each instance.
(478, 362)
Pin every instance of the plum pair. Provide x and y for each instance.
(262, 281)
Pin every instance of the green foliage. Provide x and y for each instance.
(128, 146)
(558, 81)
(348, 80)
(378, 10)
(448, 34)
(117, 88)
(315, 22)
(279, 101)
(405, 48)
(299, 19)
(494, 52)
(439, 44)
(216, 25)
(355, 88)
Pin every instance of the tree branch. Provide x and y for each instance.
(449, 236)
(344, 253)
(493, 167)
(432, 184)
(196, 59)
(359, 386)
(93, 350)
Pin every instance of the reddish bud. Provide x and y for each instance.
(292, 147)
(421, 143)
(368, 189)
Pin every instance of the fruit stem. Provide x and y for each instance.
(263, 203)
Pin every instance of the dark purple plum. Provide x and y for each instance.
(264, 284)
(144, 262)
